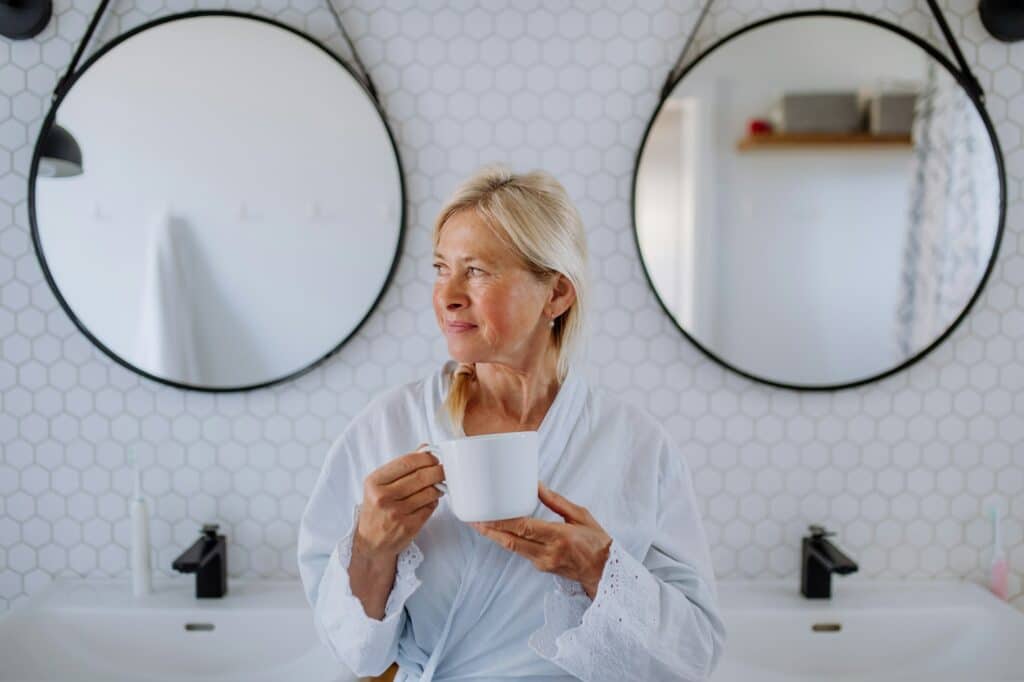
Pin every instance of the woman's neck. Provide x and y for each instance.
(521, 395)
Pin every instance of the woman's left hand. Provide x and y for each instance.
(576, 550)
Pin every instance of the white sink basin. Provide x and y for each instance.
(81, 630)
(882, 631)
(262, 631)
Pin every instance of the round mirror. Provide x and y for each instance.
(817, 200)
(216, 201)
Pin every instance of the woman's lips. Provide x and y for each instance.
(460, 327)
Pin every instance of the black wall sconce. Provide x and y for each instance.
(21, 19)
(1004, 19)
(60, 155)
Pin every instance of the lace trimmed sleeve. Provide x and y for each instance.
(597, 640)
(651, 620)
(367, 645)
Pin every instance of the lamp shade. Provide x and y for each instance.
(60, 155)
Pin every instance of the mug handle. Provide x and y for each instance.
(432, 449)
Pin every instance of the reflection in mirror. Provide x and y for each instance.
(239, 207)
(817, 201)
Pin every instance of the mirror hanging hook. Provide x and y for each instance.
(246, 214)
(673, 73)
(317, 214)
(365, 75)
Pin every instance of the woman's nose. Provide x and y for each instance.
(450, 295)
(454, 302)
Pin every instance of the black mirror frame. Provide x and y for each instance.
(963, 80)
(50, 121)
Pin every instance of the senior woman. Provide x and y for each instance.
(609, 579)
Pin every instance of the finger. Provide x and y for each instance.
(511, 542)
(410, 504)
(525, 527)
(558, 504)
(411, 484)
(402, 466)
(426, 510)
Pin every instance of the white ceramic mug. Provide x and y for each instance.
(491, 476)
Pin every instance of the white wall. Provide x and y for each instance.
(901, 469)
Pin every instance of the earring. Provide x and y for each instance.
(551, 323)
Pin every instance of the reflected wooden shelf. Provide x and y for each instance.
(810, 140)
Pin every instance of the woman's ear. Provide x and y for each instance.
(563, 295)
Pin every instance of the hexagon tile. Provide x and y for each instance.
(902, 469)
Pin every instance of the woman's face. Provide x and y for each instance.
(488, 306)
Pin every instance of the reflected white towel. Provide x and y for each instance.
(166, 341)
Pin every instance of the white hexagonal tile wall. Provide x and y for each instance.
(901, 469)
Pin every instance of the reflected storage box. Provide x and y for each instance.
(818, 112)
(891, 113)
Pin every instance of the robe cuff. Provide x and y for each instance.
(593, 639)
(348, 612)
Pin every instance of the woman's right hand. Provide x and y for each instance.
(398, 498)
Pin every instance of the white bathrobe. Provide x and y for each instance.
(463, 607)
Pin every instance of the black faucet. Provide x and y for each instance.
(818, 561)
(208, 559)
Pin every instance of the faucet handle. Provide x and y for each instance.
(210, 530)
(819, 531)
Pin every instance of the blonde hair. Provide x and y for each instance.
(532, 214)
